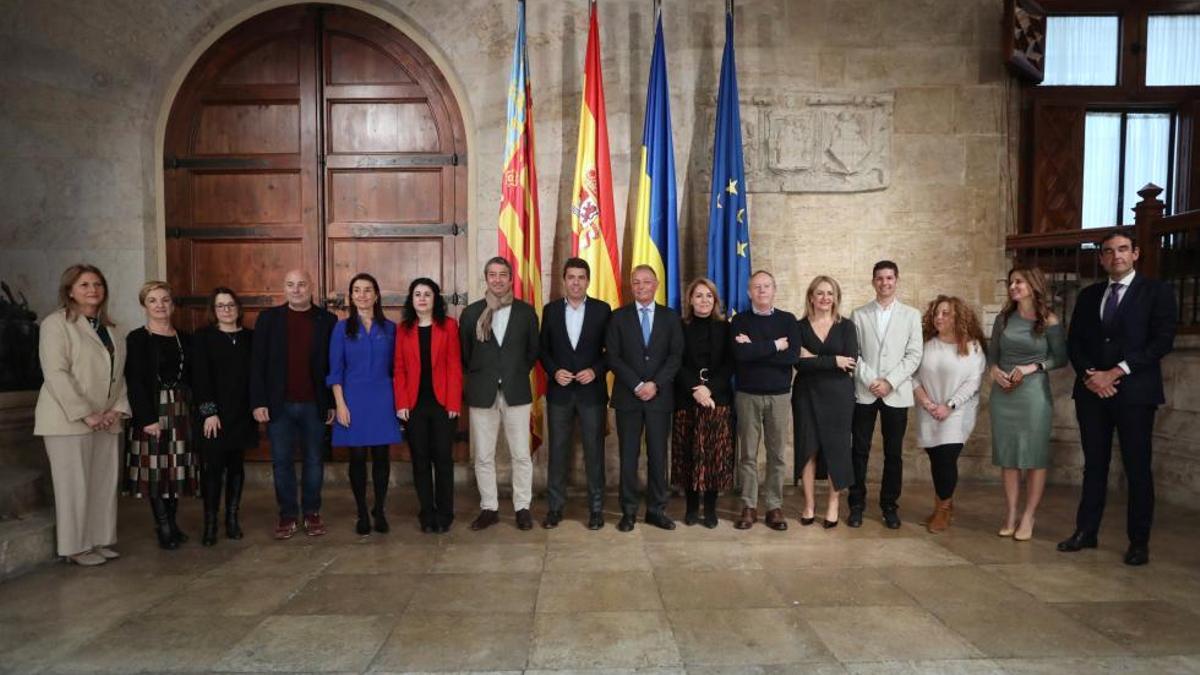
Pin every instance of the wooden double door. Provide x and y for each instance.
(320, 138)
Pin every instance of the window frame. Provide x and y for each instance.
(1172, 142)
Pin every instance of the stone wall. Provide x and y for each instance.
(85, 87)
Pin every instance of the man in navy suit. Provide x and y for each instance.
(573, 356)
(1120, 331)
(644, 348)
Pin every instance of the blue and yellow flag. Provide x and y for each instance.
(728, 220)
(656, 225)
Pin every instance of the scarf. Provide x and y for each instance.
(483, 329)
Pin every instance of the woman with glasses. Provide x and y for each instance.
(221, 385)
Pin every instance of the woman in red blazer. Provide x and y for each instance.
(428, 385)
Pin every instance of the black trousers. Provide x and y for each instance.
(894, 424)
(656, 425)
(1098, 418)
(943, 464)
(431, 440)
(561, 417)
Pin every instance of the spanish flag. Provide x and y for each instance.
(656, 227)
(520, 234)
(593, 219)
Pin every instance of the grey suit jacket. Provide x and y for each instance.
(633, 362)
(893, 356)
(489, 367)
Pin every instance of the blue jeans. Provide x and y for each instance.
(287, 422)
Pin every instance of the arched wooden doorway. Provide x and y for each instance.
(317, 137)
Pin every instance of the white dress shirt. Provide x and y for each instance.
(574, 319)
(883, 316)
(500, 323)
(1125, 281)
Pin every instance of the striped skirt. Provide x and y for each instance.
(166, 466)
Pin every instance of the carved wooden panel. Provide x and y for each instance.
(248, 129)
(248, 198)
(381, 126)
(276, 62)
(413, 196)
(1057, 168)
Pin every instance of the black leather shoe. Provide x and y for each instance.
(807, 521)
(891, 519)
(1138, 554)
(626, 524)
(829, 524)
(595, 520)
(362, 525)
(691, 518)
(427, 528)
(660, 520)
(1077, 542)
(553, 518)
(442, 528)
(710, 520)
(485, 519)
(380, 522)
(524, 520)
(855, 519)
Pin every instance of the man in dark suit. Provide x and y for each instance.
(499, 337)
(1120, 331)
(288, 394)
(573, 332)
(645, 348)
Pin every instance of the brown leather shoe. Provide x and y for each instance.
(942, 516)
(775, 520)
(749, 517)
(485, 519)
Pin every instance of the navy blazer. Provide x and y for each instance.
(633, 362)
(268, 376)
(557, 352)
(1141, 334)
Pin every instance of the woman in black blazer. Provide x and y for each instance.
(160, 458)
(221, 386)
(702, 441)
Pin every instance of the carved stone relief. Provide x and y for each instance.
(815, 142)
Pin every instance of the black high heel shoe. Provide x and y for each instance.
(829, 524)
(807, 521)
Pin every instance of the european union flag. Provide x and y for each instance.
(728, 221)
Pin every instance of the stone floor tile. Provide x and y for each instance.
(736, 636)
(1153, 627)
(476, 593)
(830, 667)
(841, 553)
(489, 558)
(701, 556)
(1023, 628)
(819, 586)
(598, 592)
(150, 644)
(945, 667)
(982, 546)
(597, 557)
(465, 642)
(229, 595)
(299, 556)
(725, 589)
(55, 592)
(354, 594)
(383, 559)
(603, 640)
(27, 645)
(303, 644)
(1101, 665)
(1066, 582)
(883, 633)
(932, 586)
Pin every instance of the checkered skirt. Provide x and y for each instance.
(166, 466)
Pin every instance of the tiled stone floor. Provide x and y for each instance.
(693, 600)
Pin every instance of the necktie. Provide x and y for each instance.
(1110, 303)
(646, 326)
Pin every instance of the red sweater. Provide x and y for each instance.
(447, 365)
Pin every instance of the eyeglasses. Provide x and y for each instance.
(223, 305)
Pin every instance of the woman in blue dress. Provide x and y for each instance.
(360, 373)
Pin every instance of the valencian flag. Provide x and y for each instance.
(593, 219)
(728, 221)
(520, 234)
(656, 227)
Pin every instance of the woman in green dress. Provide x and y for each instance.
(1027, 342)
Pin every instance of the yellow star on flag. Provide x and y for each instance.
(741, 248)
(732, 188)
(741, 213)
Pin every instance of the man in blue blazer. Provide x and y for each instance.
(644, 350)
(572, 354)
(1119, 333)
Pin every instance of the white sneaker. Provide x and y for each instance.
(106, 553)
(87, 559)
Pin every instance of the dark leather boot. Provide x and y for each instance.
(234, 480)
(172, 507)
(710, 509)
(381, 474)
(162, 524)
(358, 485)
(212, 504)
(692, 515)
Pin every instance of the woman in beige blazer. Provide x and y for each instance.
(79, 414)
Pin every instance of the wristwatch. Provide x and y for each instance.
(1041, 367)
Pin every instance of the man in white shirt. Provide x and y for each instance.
(889, 337)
